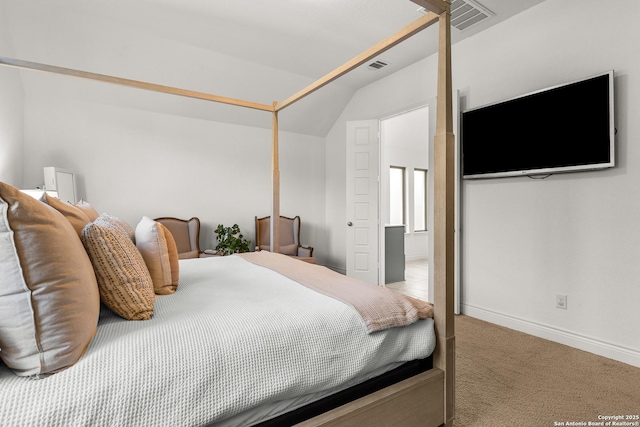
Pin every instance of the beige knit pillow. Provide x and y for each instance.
(123, 278)
(49, 302)
(120, 225)
(152, 242)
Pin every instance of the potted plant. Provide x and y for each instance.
(230, 240)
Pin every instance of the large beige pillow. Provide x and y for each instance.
(123, 278)
(49, 302)
(88, 210)
(152, 242)
(76, 216)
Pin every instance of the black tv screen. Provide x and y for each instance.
(564, 128)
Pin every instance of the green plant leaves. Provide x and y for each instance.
(230, 240)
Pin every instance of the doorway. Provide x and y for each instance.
(371, 250)
(404, 177)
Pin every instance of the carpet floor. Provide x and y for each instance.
(508, 378)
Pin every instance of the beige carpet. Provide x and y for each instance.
(507, 378)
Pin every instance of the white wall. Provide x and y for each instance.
(405, 142)
(575, 234)
(143, 153)
(131, 163)
(11, 112)
(526, 240)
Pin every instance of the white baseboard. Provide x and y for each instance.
(592, 345)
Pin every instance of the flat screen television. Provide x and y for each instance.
(565, 128)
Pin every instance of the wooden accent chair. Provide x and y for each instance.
(289, 238)
(186, 233)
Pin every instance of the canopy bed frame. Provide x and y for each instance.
(427, 398)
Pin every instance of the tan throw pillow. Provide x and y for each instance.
(74, 215)
(123, 278)
(152, 243)
(88, 210)
(174, 258)
(49, 302)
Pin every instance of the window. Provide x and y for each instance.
(420, 200)
(396, 196)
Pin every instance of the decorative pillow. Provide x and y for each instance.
(121, 226)
(88, 210)
(152, 242)
(123, 278)
(49, 302)
(74, 215)
(174, 258)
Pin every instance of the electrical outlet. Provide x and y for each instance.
(561, 301)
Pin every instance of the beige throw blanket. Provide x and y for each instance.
(380, 307)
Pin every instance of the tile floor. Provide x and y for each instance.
(416, 281)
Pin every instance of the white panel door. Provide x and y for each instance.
(362, 225)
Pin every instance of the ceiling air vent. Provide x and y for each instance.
(465, 13)
(377, 65)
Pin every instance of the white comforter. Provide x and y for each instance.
(234, 336)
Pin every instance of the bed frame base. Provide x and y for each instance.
(416, 401)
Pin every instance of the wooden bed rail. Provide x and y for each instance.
(18, 63)
(386, 44)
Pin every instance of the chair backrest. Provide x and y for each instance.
(186, 233)
(289, 234)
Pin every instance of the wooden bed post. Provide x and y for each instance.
(274, 241)
(443, 232)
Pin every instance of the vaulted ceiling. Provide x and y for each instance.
(260, 51)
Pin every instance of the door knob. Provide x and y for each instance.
(349, 223)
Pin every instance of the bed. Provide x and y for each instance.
(423, 398)
(257, 332)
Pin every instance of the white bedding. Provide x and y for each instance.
(234, 336)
